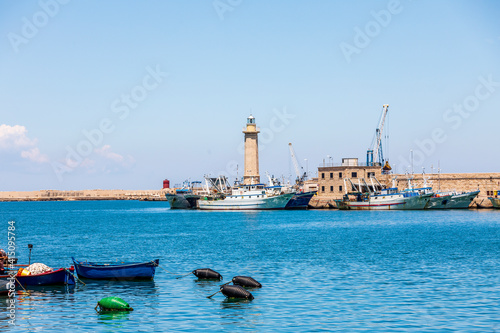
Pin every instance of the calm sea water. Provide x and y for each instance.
(320, 270)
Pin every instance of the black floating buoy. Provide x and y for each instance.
(246, 281)
(235, 292)
(207, 274)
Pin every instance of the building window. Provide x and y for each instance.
(322, 175)
(331, 188)
(331, 175)
(322, 189)
(340, 188)
(340, 175)
(354, 175)
(371, 174)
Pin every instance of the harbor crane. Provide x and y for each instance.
(374, 155)
(301, 176)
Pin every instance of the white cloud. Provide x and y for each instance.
(14, 137)
(105, 151)
(34, 155)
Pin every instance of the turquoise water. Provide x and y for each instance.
(416, 271)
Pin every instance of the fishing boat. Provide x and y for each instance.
(116, 271)
(495, 201)
(300, 200)
(376, 197)
(182, 199)
(61, 276)
(454, 200)
(386, 199)
(244, 197)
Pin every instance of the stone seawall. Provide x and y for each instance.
(55, 195)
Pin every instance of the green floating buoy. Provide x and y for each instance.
(113, 304)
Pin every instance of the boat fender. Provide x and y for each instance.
(246, 281)
(231, 291)
(113, 304)
(207, 274)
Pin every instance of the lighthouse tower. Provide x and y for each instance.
(251, 175)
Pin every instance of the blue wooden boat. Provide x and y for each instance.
(61, 276)
(114, 271)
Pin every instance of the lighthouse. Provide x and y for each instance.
(251, 175)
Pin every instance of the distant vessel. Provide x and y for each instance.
(453, 200)
(386, 199)
(375, 197)
(244, 197)
(300, 200)
(184, 198)
(495, 200)
(444, 200)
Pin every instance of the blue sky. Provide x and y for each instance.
(164, 87)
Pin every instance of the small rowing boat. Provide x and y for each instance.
(116, 271)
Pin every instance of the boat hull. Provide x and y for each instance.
(132, 271)
(182, 201)
(495, 202)
(438, 202)
(62, 276)
(244, 203)
(300, 200)
(458, 201)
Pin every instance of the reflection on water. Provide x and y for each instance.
(113, 315)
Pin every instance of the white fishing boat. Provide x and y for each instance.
(375, 197)
(387, 199)
(246, 197)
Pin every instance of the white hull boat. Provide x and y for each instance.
(387, 199)
(246, 197)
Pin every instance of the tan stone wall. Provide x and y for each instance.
(85, 195)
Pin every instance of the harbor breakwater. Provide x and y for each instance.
(56, 195)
